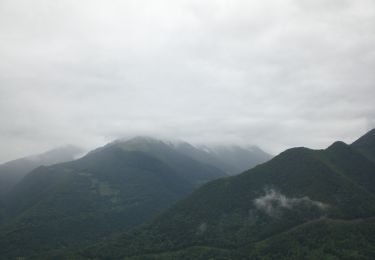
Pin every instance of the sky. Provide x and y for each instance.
(274, 73)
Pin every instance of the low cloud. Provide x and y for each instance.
(277, 74)
(273, 201)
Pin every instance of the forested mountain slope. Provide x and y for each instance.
(255, 213)
(110, 190)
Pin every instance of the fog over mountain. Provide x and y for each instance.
(276, 74)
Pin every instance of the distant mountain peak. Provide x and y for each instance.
(13, 171)
(57, 155)
(144, 139)
(141, 143)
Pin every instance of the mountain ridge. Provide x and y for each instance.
(111, 189)
(13, 171)
(295, 187)
(232, 159)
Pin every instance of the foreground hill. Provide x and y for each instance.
(109, 190)
(317, 239)
(12, 172)
(277, 208)
(321, 239)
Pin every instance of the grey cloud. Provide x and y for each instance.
(272, 73)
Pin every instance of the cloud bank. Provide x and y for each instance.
(273, 73)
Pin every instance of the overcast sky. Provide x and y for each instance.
(278, 74)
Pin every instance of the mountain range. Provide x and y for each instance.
(302, 204)
(145, 198)
(108, 191)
